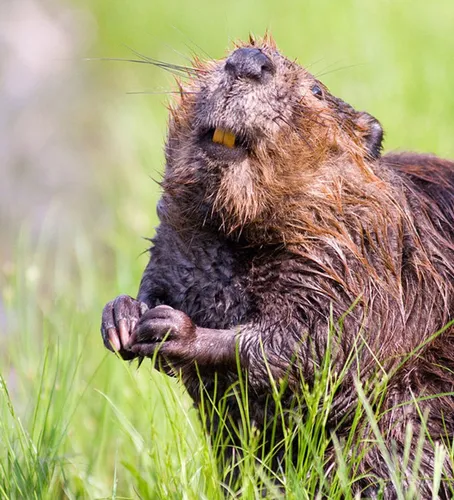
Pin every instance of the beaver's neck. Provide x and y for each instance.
(289, 210)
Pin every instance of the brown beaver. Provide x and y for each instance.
(278, 213)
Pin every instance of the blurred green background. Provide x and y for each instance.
(75, 147)
(73, 140)
(81, 143)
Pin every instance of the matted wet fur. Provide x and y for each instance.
(261, 242)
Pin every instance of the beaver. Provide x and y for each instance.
(280, 217)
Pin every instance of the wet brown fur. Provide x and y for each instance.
(320, 221)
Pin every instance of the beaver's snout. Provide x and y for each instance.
(250, 63)
(242, 103)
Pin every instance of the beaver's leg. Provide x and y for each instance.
(180, 341)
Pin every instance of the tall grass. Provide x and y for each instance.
(76, 422)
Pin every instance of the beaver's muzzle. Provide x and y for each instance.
(250, 63)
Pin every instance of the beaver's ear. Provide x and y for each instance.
(372, 133)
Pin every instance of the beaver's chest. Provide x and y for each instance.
(207, 278)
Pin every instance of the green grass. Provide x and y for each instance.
(75, 422)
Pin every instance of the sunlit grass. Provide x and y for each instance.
(77, 422)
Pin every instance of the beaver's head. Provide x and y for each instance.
(254, 128)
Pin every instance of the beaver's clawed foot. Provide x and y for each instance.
(119, 319)
(131, 329)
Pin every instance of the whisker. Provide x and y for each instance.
(179, 53)
(120, 59)
(193, 43)
(194, 53)
(185, 69)
(324, 73)
(159, 92)
(179, 73)
(313, 63)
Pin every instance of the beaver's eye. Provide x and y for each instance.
(317, 91)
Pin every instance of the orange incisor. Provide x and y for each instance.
(224, 137)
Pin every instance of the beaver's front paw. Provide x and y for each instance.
(166, 329)
(119, 318)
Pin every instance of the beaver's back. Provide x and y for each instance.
(431, 179)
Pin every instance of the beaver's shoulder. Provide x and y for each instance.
(429, 183)
(426, 173)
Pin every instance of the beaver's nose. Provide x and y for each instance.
(250, 63)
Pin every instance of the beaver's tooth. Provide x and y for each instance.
(229, 140)
(218, 136)
(221, 136)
